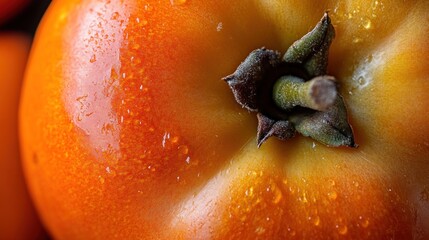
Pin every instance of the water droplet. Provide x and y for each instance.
(331, 182)
(362, 81)
(252, 173)
(332, 195)
(93, 58)
(174, 139)
(277, 194)
(260, 230)
(115, 16)
(357, 40)
(183, 149)
(304, 198)
(249, 192)
(79, 118)
(177, 2)
(364, 222)
(136, 46)
(165, 138)
(316, 220)
(219, 26)
(342, 229)
(367, 24)
(375, 5)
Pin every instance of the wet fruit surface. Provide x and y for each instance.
(128, 130)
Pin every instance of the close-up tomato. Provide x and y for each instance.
(18, 219)
(129, 132)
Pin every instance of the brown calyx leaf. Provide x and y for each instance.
(268, 127)
(329, 127)
(245, 80)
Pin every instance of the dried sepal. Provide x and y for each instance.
(268, 127)
(310, 43)
(245, 80)
(313, 48)
(330, 127)
(318, 64)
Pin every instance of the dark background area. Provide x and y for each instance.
(27, 19)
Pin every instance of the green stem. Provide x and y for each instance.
(318, 93)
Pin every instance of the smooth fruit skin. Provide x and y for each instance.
(18, 219)
(128, 131)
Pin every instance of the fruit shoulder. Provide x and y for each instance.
(126, 123)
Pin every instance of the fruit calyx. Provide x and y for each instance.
(293, 93)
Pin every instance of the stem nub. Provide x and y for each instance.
(318, 93)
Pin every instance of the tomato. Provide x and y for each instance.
(9, 8)
(18, 219)
(128, 131)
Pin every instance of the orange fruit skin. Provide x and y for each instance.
(18, 218)
(128, 132)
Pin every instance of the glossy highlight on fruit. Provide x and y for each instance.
(128, 131)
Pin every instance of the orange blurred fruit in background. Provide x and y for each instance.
(18, 219)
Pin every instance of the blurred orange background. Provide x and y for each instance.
(18, 22)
